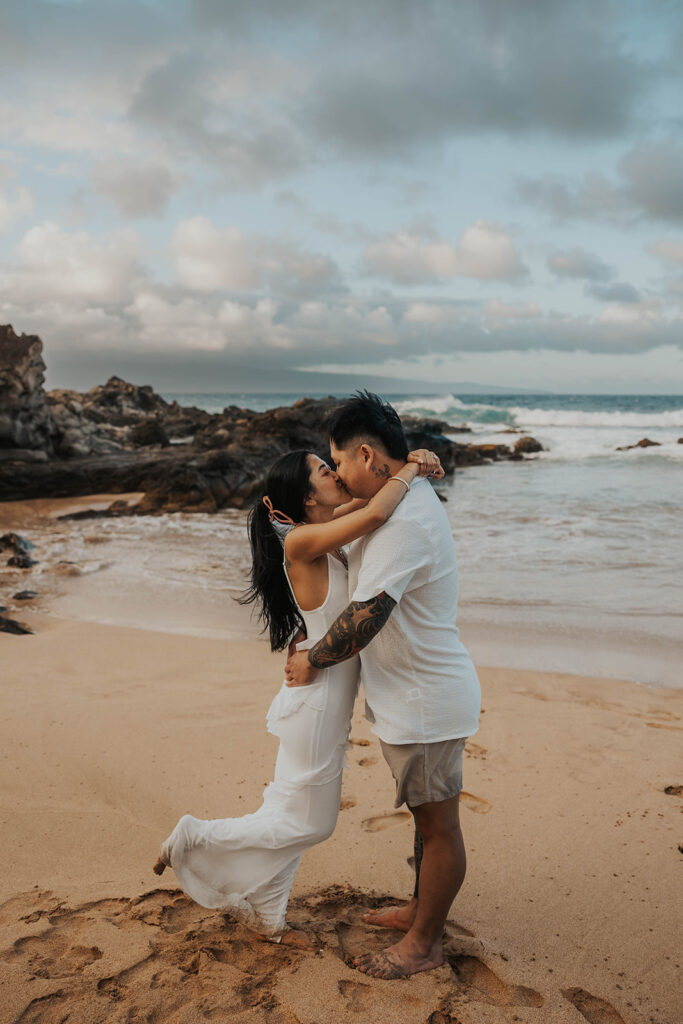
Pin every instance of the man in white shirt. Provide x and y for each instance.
(422, 691)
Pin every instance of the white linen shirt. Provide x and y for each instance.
(420, 683)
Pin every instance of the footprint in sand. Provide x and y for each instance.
(382, 821)
(160, 957)
(594, 1009)
(475, 803)
(442, 1017)
(474, 750)
(347, 802)
(359, 743)
(660, 725)
(357, 994)
(484, 986)
(365, 762)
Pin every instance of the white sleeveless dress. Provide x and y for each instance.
(247, 865)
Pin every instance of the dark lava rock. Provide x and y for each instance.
(680, 440)
(24, 418)
(426, 425)
(528, 445)
(115, 438)
(25, 595)
(12, 626)
(492, 452)
(21, 561)
(149, 432)
(13, 542)
(674, 790)
(117, 508)
(644, 443)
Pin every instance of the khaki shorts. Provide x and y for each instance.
(425, 773)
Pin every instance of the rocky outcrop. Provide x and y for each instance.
(224, 465)
(121, 437)
(24, 417)
(114, 417)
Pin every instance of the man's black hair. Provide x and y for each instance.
(367, 417)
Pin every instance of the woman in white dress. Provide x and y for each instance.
(247, 865)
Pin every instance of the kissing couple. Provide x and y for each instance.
(354, 572)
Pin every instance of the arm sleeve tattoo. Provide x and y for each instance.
(352, 631)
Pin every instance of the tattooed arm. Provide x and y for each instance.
(349, 633)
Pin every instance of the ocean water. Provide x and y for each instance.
(571, 561)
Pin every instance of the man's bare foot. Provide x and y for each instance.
(399, 961)
(159, 867)
(399, 918)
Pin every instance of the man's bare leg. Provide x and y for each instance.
(441, 876)
(400, 919)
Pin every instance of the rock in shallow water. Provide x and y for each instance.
(12, 626)
(21, 562)
(645, 442)
(528, 445)
(13, 542)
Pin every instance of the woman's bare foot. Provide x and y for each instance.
(399, 918)
(292, 937)
(159, 867)
(299, 940)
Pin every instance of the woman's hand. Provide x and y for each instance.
(430, 464)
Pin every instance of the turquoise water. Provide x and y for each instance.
(481, 408)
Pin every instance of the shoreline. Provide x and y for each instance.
(112, 733)
(122, 573)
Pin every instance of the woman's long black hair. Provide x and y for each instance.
(288, 484)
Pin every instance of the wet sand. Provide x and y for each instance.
(109, 734)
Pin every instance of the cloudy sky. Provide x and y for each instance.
(210, 193)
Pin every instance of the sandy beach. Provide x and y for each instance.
(109, 734)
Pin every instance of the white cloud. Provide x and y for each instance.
(81, 128)
(172, 325)
(15, 204)
(667, 249)
(642, 314)
(212, 259)
(579, 263)
(255, 324)
(138, 190)
(501, 311)
(429, 313)
(74, 267)
(484, 251)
